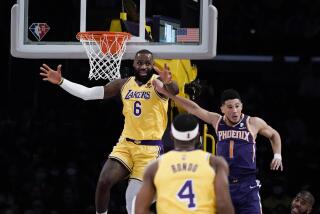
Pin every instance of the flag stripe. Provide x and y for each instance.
(188, 35)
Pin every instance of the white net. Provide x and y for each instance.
(105, 51)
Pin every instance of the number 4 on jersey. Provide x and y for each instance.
(186, 194)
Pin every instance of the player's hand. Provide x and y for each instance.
(159, 86)
(165, 74)
(48, 74)
(276, 164)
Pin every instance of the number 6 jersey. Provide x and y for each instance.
(145, 111)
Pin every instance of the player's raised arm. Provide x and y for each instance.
(189, 105)
(83, 92)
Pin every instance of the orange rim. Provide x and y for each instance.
(97, 35)
(101, 36)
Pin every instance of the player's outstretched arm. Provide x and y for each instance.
(147, 192)
(192, 107)
(267, 131)
(85, 93)
(221, 185)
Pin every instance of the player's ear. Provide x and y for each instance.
(222, 108)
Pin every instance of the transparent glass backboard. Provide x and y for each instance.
(184, 29)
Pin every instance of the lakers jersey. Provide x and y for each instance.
(237, 145)
(184, 183)
(145, 111)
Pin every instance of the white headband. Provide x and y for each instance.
(186, 135)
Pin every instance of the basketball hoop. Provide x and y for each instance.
(104, 50)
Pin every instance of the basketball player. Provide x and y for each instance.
(186, 180)
(236, 134)
(145, 112)
(302, 203)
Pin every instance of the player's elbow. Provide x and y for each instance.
(275, 136)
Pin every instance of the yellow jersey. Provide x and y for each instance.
(145, 111)
(184, 183)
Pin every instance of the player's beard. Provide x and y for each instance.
(143, 79)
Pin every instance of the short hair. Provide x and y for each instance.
(306, 195)
(185, 122)
(144, 51)
(229, 94)
(185, 129)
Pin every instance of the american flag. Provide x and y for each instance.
(188, 35)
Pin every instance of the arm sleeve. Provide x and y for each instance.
(85, 93)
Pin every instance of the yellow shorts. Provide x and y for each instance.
(135, 157)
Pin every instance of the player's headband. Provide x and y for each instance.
(184, 135)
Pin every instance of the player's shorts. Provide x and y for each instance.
(245, 195)
(136, 155)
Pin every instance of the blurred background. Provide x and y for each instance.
(53, 145)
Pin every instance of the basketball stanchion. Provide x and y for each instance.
(213, 142)
(104, 50)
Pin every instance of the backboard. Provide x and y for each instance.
(180, 29)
